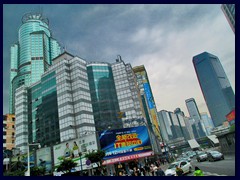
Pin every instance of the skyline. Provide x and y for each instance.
(148, 35)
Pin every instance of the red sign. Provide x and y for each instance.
(231, 116)
(126, 158)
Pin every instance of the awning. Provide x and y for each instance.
(127, 158)
(193, 143)
(214, 139)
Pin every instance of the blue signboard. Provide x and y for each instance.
(125, 142)
(148, 95)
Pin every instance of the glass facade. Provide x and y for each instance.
(43, 121)
(229, 12)
(58, 107)
(215, 86)
(104, 96)
(31, 56)
(198, 127)
(128, 93)
(207, 121)
(165, 125)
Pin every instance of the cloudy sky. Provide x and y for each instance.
(162, 37)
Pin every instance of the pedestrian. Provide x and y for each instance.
(179, 171)
(159, 171)
(198, 172)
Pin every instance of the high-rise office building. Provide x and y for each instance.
(165, 125)
(207, 121)
(104, 96)
(176, 126)
(56, 108)
(128, 93)
(31, 55)
(215, 86)
(147, 99)
(198, 128)
(8, 131)
(229, 12)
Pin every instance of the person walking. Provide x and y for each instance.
(198, 172)
(159, 171)
(179, 171)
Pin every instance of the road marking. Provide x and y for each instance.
(213, 174)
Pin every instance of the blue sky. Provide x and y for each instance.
(162, 37)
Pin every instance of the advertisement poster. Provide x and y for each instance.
(23, 159)
(71, 149)
(125, 144)
(44, 158)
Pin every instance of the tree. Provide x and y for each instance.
(96, 157)
(14, 173)
(232, 128)
(38, 171)
(66, 166)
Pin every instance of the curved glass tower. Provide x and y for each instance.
(32, 54)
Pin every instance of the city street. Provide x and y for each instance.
(224, 167)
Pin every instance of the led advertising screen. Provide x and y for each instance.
(148, 95)
(125, 144)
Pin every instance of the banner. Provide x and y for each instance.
(125, 144)
(44, 158)
(71, 149)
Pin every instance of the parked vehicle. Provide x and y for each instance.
(184, 165)
(215, 155)
(202, 156)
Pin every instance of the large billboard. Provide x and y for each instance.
(44, 158)
(152, 109)
(71, 149)
(125, 144)
(22, 160)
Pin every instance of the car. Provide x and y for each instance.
(202, 156)
(215, 155)
(183, 164)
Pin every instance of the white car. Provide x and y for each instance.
(184, 165)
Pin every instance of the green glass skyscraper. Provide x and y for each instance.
(32, 54)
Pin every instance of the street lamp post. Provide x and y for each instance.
(28, 156)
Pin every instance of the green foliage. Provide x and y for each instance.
(66, 166)
(14, 173)
(38, 171)
(96, 157)
(232, 128)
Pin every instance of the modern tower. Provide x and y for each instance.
(56, 108)
(104, 96)
(215, 86)
(128, 93)
(32, 54)
(207, 121)
(166, 125)
(198, 127)
(229, 12)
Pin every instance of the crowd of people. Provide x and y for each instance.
(149, 169)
